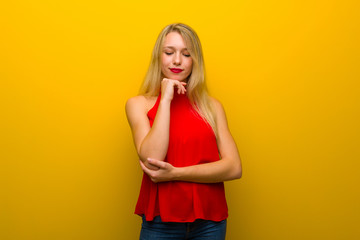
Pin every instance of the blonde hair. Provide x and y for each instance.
(196, 86)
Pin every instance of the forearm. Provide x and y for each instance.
(156, 142)
(219, 171)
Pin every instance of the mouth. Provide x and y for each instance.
(176, 70)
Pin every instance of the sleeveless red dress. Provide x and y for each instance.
(191, 142)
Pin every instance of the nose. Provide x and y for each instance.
(177, 59)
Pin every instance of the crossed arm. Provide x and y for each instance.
(152, 143)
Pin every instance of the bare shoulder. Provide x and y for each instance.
(140, 103)
(135, 101)
(217, 106)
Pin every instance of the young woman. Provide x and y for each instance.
(182, 138)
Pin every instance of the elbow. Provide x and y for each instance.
(234, 171)
(237, 172)
(144, 154)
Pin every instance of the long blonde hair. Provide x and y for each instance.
(196, 85)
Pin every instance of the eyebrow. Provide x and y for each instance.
(174, 47)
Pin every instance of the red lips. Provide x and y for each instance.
(176, 70)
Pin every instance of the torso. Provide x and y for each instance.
(191, 142)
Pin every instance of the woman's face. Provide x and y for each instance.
(175, 58)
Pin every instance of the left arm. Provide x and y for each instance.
(227, 168)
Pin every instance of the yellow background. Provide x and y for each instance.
(287, 73)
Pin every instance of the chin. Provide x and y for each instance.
(182, 79)
(176, 77)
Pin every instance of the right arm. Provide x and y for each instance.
(152, 142)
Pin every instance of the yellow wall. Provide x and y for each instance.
(287, 73)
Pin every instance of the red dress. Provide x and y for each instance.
(191, 142)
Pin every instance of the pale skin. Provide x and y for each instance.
(152, 142)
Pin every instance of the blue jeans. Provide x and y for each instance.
(198, 230)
